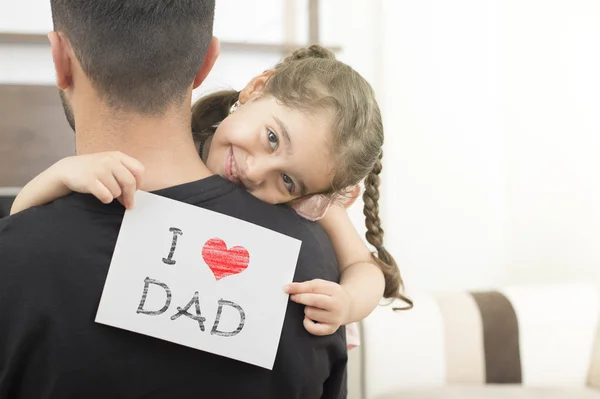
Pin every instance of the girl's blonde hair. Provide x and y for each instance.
(312, 80)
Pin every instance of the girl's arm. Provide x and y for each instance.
(329, 305)
(361, 277)
(44, 188)
(107, 176)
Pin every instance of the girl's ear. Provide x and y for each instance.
(255, 87)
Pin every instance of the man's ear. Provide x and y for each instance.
(62, 56)
(212, 53)
(255, 87)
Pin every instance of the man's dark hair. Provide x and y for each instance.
(141, 55)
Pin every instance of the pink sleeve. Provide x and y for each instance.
(314, 207)
(352, 336)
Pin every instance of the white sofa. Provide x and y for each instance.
(517, 342)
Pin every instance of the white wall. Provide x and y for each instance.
(25, 16)
(493, 126)
(552, 135)
(445, 176)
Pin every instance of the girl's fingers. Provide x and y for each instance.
(111, 183)
(318, 328)
(100, 191)
(127, 182)
(316, 286)
(314, 300)
(319, 315)
(135, 167)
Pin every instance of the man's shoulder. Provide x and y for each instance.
(217, 194)
(317, 257)
(11, 226)
(53, 229)
(39, 219)
(281, 218)
(24, 246)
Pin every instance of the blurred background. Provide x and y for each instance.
(491, 111)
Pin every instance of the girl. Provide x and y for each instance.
(249, 137)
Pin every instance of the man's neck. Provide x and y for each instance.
(164, 145)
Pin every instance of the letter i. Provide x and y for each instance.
(176, 232)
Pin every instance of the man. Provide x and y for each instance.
(126, 69)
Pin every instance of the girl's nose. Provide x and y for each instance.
(256, 171)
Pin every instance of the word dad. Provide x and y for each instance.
(223, 263)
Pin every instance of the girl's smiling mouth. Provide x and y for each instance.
(231, 168)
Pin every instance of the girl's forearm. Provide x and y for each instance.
(44, 188)
(364, 283)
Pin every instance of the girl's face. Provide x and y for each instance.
(276, 153)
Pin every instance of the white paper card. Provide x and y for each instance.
(167, 251)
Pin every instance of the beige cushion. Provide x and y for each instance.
(496, 392)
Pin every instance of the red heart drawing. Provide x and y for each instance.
(224, 262)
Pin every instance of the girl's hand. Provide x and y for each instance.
(327, 305)
(107, 176)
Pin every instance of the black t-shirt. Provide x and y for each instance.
(53, 264)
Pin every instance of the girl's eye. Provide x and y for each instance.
(273, 139)
(289, 183)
